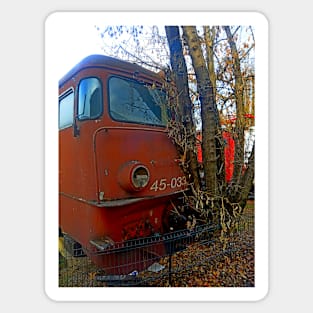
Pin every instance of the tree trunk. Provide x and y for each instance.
(209, 114)
(239, 124)
(179, 72)
(247, 180)
(209, 35)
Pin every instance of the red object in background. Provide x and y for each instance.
(199, 149)
(229, 151)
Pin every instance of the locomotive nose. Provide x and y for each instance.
(133, 176)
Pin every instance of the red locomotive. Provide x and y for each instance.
(118, 174)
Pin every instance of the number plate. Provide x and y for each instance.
(164, 183)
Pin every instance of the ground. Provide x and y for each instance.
(226, 263)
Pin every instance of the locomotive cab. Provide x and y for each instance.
(118, 174)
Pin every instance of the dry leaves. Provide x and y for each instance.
(209, 266)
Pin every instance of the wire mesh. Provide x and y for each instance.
(182, 258)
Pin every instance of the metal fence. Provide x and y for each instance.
(182, 258)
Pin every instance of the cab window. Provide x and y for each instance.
(89, 98)
(66, 109)
(134, 102)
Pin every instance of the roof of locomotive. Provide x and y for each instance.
(98, 60)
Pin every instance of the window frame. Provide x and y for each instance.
(82, 118)
(65, 94)
(125, 120)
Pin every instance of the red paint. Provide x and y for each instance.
(99, 163)
(229, 150)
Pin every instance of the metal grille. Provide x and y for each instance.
(173, 259)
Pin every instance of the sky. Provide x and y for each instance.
(76, 39)
(71, 36)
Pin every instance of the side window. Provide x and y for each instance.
(89, 98)
(66, 110)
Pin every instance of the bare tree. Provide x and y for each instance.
(185, 135)
(216, 198)
(209, 72)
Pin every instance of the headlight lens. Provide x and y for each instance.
(133, 176)
(140, 177)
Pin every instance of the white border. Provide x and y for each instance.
(52, 33)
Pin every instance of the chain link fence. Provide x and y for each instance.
(187, 258)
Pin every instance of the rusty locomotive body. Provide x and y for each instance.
(118, 171)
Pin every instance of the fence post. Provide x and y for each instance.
(170, 270)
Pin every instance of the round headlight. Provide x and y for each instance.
(133, 176)
(140, 177)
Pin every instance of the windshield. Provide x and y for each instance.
(133, 102)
